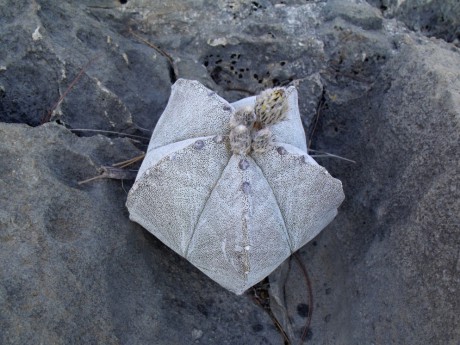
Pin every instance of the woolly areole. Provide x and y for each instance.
(235, 210)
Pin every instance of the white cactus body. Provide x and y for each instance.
(235, 214)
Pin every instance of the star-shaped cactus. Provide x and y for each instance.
(231, 187)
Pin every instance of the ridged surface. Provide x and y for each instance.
(235, 217)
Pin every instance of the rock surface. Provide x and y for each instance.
(77, 271)
(386, 271)
(440, 19)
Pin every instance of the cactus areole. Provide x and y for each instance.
(230, 186)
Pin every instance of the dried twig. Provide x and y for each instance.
(172, 65)
(329, 155)
(310, 297)
(258, 301)
(112, 173)
(319, 110)
(108, 132)
(48, 115)
(128, 162)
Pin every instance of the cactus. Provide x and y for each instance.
(262, 140)
(230, 187)
(240, 140)
(271, 106)
(244, 116)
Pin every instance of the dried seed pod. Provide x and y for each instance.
(262, 140)
(240, 140)
(244, 116)
(271, 106)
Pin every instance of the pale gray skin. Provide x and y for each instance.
(235, 217)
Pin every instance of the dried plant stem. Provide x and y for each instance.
(159, 50)
(48, 115)
(319, 110)
(128, 162)
(108, 132)
(330, 155)
(112, 173)
(310, 297)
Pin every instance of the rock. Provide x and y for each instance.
(357, 13)
(385, 271)
(440, 19)
(391, 258)
(46, 45)
(76, 270)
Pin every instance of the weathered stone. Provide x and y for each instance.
(45, 45)
(440, 19)
(391, 258)
(76, 270)
(386, 270)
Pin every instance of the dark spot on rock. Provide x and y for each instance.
(302, 309)
(257, 328)
(215, 74)
(327, 318)
(202, 309)
(61, 222)
(328, 291)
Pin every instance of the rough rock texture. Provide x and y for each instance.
(440, 19)
(75, 270)
(45, 45)
(386, 271)
(388, 268)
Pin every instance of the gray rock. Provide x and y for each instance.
(357, 13)
(46, 45)
(385, 271)
(440, 19)
(77, 271)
